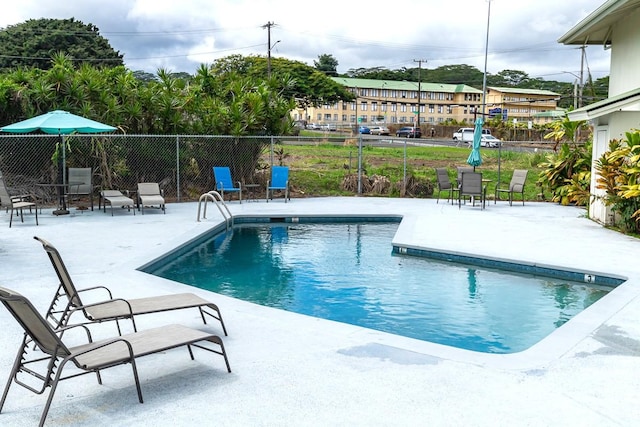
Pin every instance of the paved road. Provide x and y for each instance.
(386, 141)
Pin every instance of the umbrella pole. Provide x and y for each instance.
(62, 204)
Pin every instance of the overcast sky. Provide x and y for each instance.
(181, 35)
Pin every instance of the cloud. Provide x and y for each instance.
(179, 36)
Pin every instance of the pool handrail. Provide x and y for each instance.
(217, 199)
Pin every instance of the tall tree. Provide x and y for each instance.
(511, 78)
(306, 85)
(327, 64)
(32, 43)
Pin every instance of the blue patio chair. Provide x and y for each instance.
(279, 181)
(222, 176)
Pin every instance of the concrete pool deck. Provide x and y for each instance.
(294, 370)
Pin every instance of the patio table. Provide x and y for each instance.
(63, 190)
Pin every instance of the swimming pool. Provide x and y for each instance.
(347, 272)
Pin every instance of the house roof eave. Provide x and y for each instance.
(628, 101)
(596, 28)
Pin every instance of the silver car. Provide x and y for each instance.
(379, 130)
(488, 141)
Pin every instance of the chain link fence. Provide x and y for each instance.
(181, 164)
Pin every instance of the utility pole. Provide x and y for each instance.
(581, 87)
(268, 26)
(419, 61)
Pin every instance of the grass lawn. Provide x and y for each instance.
(319, 170)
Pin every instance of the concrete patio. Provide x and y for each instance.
(294, 370)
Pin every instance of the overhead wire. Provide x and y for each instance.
(462, 53)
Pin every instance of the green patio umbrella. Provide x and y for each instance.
(58, 122)
(62, 123)
(474, 157)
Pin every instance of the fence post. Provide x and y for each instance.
(359, 162)
(271, 152)
(404, 169)
(178, 167)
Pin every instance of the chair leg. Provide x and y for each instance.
(14, 371)
(54, 385)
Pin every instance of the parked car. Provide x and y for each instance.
(490, 141)
(330, 127)
(379, 130)
(364, 130)
(314, 126)
(466, 134)
(409, 132)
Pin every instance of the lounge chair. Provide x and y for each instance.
(222, 176)
(80, 182)
(113, 309)
(149, 194)
(279, 182)
(515, 186)
(39, 366)
(445, 184)
(471, 186)
(115, 198)
(16, 203)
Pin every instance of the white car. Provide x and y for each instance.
(379, 130)
(490, 141)
(466, 134)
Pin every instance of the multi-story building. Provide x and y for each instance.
(397, 102)
(525, 105)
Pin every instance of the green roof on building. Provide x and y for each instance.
(522, 90)
(405, 85)
(554, 114)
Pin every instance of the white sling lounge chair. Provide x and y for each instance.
(149, 194)
(110, 309)
(115, 198)
(39, 366)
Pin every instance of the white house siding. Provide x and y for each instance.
(608, 127)
(624, 76)
(625, 55)
(598, 211)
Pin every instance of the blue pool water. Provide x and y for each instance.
(347, 272)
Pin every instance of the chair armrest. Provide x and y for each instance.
(93, 288)
(61, 330)
(22, 197)
(105, 344)
(94, 304)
